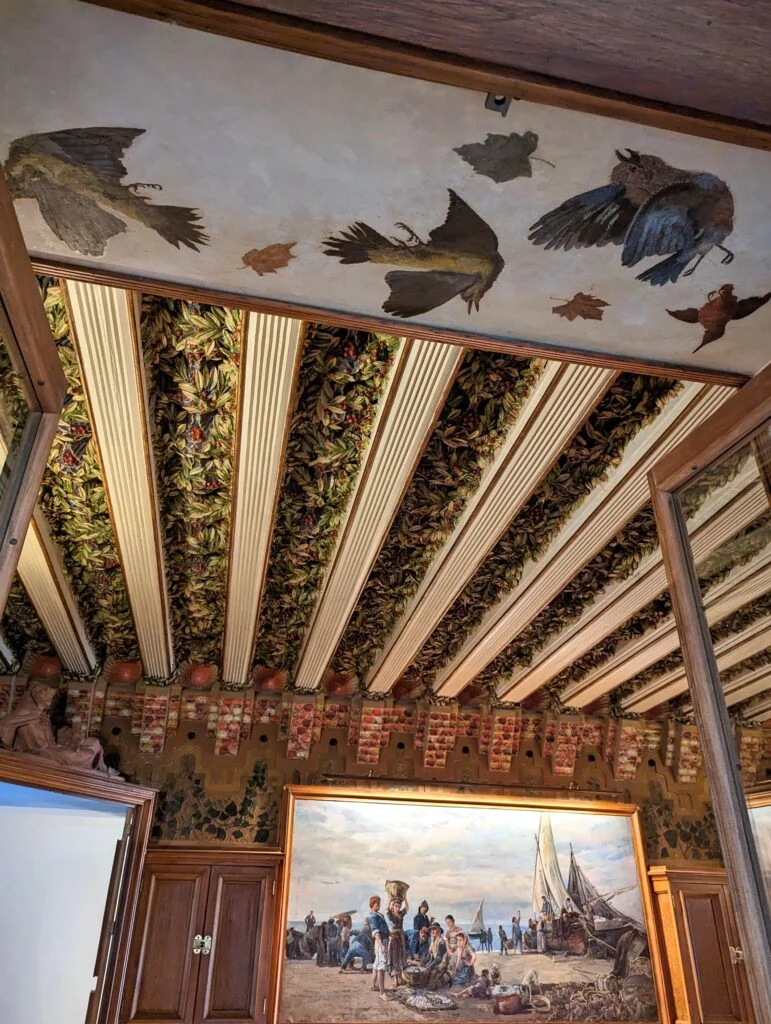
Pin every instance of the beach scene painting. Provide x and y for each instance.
(397, 910)
(760, 819)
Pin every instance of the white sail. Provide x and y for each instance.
(548, 877)
(478, 924)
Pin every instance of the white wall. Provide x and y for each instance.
(56, 857)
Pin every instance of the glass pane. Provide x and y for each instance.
(14, 410)
(729, 524)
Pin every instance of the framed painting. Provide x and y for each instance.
(759, 803)
(403, 906)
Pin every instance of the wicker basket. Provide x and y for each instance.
(396, 890)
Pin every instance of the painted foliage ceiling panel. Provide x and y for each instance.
(550, 227)
(279, 471)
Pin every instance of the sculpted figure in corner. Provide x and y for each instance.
(28, 729)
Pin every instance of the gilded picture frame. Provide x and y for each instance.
(330, 829)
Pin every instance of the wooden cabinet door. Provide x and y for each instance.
(717, 990)
(163, 971)
(233, 982)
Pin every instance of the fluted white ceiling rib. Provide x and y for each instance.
(620, 602)
(759, 711)
(105, 333)
(746, 583)
(747, 685)
(40, 570)
(562, 399)
(608, 507)
(728, 652)
(420, 378)
(269, 366)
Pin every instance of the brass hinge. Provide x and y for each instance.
(202, 945)
(737, 955)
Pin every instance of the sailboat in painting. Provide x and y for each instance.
(581, 916)
(477, 929)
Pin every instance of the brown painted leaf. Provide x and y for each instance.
(270, 259)
(588, 307)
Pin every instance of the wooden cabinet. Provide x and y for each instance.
(696, 921)
(202, 943)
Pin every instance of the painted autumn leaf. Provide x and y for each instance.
(588, 307)
(270, 259)
(502, 157)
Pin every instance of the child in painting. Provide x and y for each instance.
(379, 929)
(451, 933)
(480, 989)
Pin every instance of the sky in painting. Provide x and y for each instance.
(343, 852)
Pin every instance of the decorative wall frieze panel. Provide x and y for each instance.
(422, 373)
(728, 652)
(104, 326)
(742, 585)
(607, 508)
(269, 363)
(729, 511)
(554, 411)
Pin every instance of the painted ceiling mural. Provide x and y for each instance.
(272, 175)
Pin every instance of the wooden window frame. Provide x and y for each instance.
(33, 354)
(728, 430)
(120, 908)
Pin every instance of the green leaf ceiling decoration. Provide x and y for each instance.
(631, 403)
(73, 499)
(191, 359)
(21, 626)
(342, 375)
(483, 403)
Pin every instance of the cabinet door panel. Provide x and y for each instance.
(234, 976)
(163, 970)
(717, 992)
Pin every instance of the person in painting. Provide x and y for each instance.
(421, 919)
(503, 940)
(489, 940)
(359, 945)
(344, 924)
(436, 974)
(397, 943)
(479, 989)
(379, 930)
(462, 961)
(451, 933)
(310, 921)
(516, 933)
(422, 942)
(546, 908)
(540, 933)
(569, 908)
(530, 936)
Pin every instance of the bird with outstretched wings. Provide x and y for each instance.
(460, 258)
(721, 307)
(75, 176)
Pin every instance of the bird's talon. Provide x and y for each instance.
(411, 235)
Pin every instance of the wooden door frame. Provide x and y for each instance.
(729, 429)
(33, 354)
(28, 770)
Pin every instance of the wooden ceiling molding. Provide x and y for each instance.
(104, 326)
(270, 358)
(717, 521)
(610, 505)
(728, 652)
(747, 685)
(759, 711)
(559, 403)
(420, 378)
(743, 584)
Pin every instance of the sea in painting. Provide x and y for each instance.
(402, 911)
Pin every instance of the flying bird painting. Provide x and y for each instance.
(651, 209)
(75, 175)
(721, 307)
(460, 258)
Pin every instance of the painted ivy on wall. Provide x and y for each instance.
(191, 358)
(21, 625)
(483, 403)
(627, 406)
(342, 375)
(74, 501)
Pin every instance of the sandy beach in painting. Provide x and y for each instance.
(309, 990)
